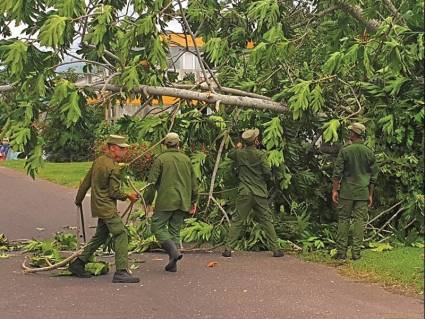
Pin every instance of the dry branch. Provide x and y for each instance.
(357, 13)
(28, 270)
(204, 86)
(385, 224)
(221, 209)
(212, 98)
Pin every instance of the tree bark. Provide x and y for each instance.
(209, 97)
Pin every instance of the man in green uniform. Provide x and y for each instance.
(254, 172)
(354, 177)
(104, 180)
(173, 177)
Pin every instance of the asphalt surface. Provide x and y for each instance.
(249, 285)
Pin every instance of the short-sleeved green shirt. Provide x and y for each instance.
(355, 168)
(173, 177)
(252, 169)
(104, 180)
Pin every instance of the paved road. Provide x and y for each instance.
(251, 285)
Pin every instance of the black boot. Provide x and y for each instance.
(77, 269)
(355, 255)
(174, 255)
(340, 256)
(122, 276)
(227, 253)
(278, 253)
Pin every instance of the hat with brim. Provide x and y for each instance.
(171, 139)
(358, 128)
(250, 135)
(117, 140)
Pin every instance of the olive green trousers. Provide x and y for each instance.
(167, 225)
(259, 207)
(116, 228)
(355, 210)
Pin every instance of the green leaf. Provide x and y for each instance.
(372, 88)
(35, 158)
(299, 100)
(102, 23)
(331, 130)
(275, 34)
(420, 46)
(60, 92)
(351, 56)
(258, 54)
(419, 117)
(21, 137)
(157, 54)
(198, 159)
(265, 12)
(393, 86)
(145, 25)
(71, 8)
(275, 158)
(316, 99)
(130, 77)
(140, 6)
(41, 86)
(387, 123)
(333, 64)
(216, 49)
(97, 268)
(65, 96)
(366, 63)
(15, 57)
(272, 137)
(218, 121)
(72, 109)
(380, 247)
(52, 30)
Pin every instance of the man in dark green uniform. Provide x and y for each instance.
(354, 178)
(104, 180)
(173, 177)
(253, 172)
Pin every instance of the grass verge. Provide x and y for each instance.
(401, 269)
(66, 174)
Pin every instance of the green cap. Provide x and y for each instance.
(358, 128)
(119, 140)
(251, 134)
(171, 139)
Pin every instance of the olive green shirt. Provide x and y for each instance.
(355, 168)
(104, 180)
(252, 169)
(173, 177)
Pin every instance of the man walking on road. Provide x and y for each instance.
(104, 180)
(253, 172)
(173, 177)
(354, 178)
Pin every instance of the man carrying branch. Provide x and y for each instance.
(173, 178)
(104, 180)
(253, 172)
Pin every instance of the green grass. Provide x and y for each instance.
(66, 174)
(401, 268)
